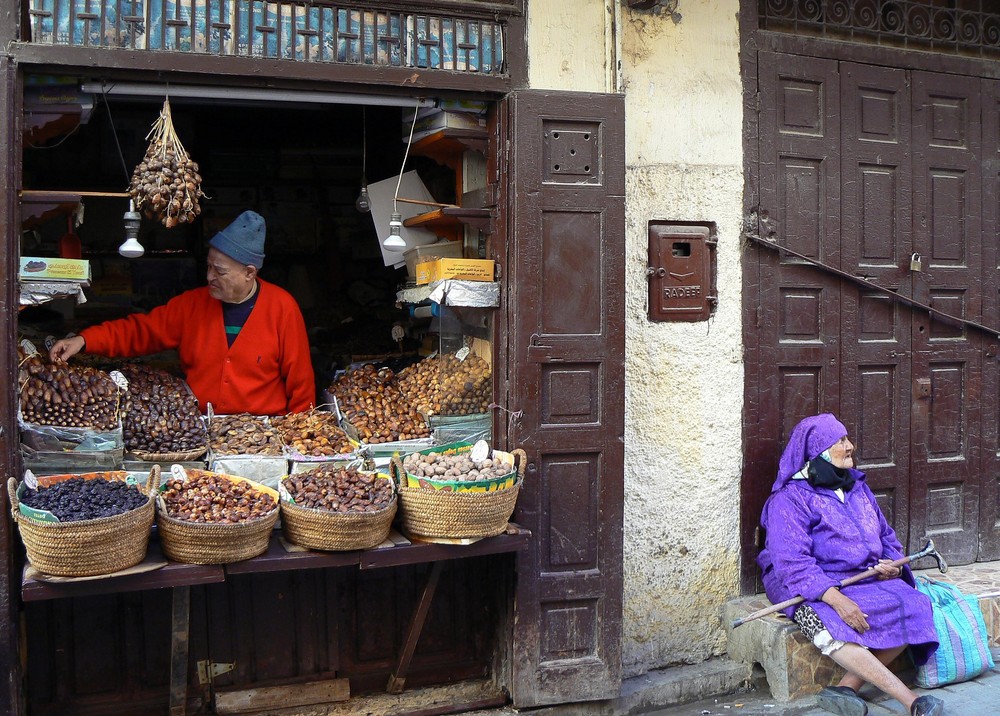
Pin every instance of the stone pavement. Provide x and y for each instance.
(979, 697)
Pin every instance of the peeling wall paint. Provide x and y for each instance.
(684, 381)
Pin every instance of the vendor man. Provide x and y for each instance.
(242, 341)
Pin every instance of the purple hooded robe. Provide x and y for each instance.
(814, 540)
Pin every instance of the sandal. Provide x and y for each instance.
(844, 701)
(927, 706)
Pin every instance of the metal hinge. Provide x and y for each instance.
(208, 670)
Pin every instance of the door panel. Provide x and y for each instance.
(877, 235)
(881, 173)
(947, 416)
(799, 314)
(989, 501)
(563, 191)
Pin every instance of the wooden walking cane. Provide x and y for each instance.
(927, 551)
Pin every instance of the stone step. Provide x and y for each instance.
(794, 667)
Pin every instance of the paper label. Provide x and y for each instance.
(462, 353)
(480, 451)
(119, 379)
(30, 480)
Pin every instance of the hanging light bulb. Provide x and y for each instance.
(394, 241)
(364, 203)
(131, 248)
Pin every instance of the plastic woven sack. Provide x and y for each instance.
(963, 652)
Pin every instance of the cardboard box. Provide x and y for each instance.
(465, 269)
(35, 268)
(423, 254)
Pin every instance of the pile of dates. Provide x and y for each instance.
(448, 385)
(454, 467)
(314, 433)
(242, 434)
(161, 413)
(339, 490)
(214, 498)
(166, 184)
(372, 402)
(68, 396)
(79, 499)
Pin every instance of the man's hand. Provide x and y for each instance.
(847, 609)
(66, 348)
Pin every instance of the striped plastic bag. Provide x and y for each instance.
(963, 652)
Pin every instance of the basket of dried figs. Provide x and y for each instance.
(336, 508)
(445, 511)
(84, 525)
(209, 518)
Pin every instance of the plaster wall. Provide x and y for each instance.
(684, 381)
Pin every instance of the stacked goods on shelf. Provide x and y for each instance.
(70, 417)
(337, 508)
(458, 508)
(448, 385)
(209, 518)
(376, 409)
(313, 433)
(248, 446)
(312, 437)
(84, 525)
(162, 418)
(65, 395)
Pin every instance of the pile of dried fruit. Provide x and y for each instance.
(166, 185)
(70, 396)
(242, 434)
(370, 399)
(339, 490)
(161, 413)
(454, 467)
(210, 497)
(448, 385)
(314, 433)
(78, 499)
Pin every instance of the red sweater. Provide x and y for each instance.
(268, 370)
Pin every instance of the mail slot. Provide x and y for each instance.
(681, 272)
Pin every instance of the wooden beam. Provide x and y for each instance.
(282, 697)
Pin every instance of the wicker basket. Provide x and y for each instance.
(209, 543)
(456, 515)
(87, 547)
(336, 531)
(170, 456)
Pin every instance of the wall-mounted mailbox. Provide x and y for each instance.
(681, 272)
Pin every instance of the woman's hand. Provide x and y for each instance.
(847, 609)
(886, 570)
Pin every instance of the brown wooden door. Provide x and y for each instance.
(561, 186)
(879, 172)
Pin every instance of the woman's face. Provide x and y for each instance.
(842, 453)
(228, 280)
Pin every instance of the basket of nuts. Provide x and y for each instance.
(430, 511)
(84, 525)
(336, 508)
(210, 518)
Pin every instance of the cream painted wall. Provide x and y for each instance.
(684, 382)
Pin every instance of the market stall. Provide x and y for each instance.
(394, 466)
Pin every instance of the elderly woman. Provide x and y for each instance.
(823, 525)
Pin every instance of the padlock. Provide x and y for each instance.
(916, 263)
